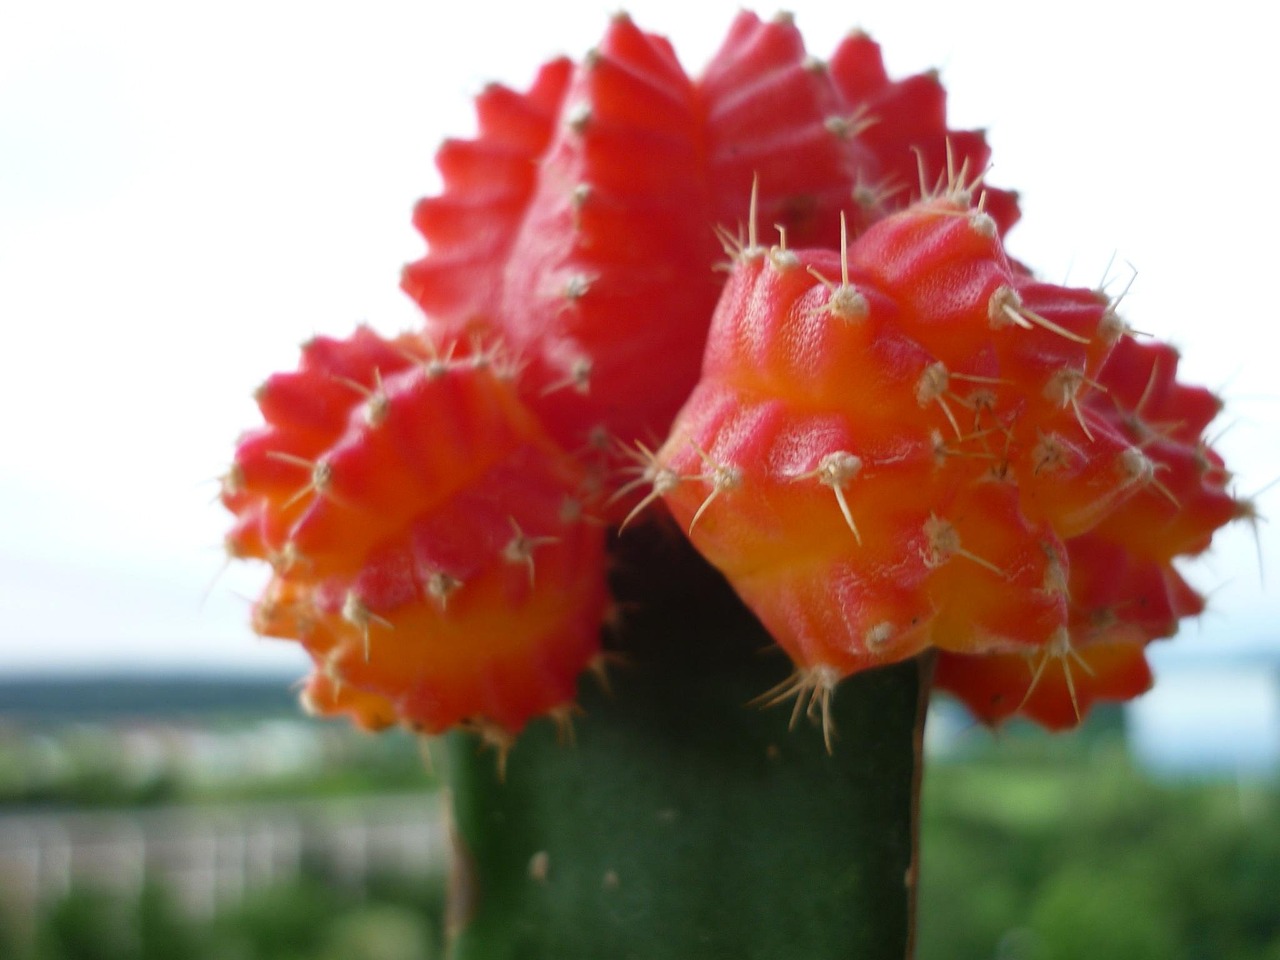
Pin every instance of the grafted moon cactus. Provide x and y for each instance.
(710, 364)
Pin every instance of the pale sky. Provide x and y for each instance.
(188, 191)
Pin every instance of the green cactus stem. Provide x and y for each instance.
(683, 823)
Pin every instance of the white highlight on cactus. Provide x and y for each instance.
(835, 470)
(377, 403)
(357, 613)
(853, 125)
(1058, 648)
(437, 363)
(578, 118)
(1005, 308)
(519, 549)
(1110, 326)
(1137, 468)
(877, 636)
(722, 477)
(932, 387)
(650, 471)
(943, 543)
(1063, 389)
(321, 474)
(1049, 454)
(733, 245)
(812, 689)
(577, 286)
(951, 184)
(578, 378)
(231, 483)
(780, 258)
(441, 586)
(562, 715)
(1055, 582)
(983, 224)
(844, 301)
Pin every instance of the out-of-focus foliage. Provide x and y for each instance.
(309, 920)
(1035, 852)
(80, 768)
(1041, 850)
(1034, 848)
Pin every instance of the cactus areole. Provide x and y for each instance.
(710, 366)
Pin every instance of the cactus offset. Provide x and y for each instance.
(977, 432)
(429, 543)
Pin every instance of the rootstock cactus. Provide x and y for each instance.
(887, 434)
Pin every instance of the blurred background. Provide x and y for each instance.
(188, 192)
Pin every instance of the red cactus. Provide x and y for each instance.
(893, 438)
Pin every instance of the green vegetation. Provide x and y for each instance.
(1041, 850)
(121, 743)
(80, 769)
(1035, 848)
(40, 701)
(308, 920)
